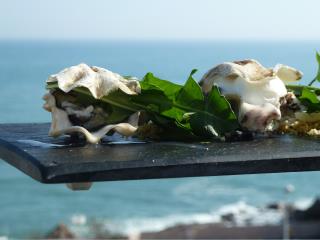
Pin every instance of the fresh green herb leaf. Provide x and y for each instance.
(217, 119)
(310, 99)
(190, 94)
(318, 60)
(317, 77)
(168, 88)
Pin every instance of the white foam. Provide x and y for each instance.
(78, 219)
(79, 225)
(242, 214)
(303, 203)
(136, 225)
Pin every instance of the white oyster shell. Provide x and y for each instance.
(99, 81)
(61, 124)
(258, 89)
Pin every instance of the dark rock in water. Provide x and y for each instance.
(312, 213)
(228, 217)
(274, 206)
(215, 231)
(60, 232)
(298, 230)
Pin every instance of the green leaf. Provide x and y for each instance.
(150, 98)
(151, 82)
(317, 77)
(190, 94)
(310, 99)
(318, 60)
(309, 95)
(219, 105)
(217, 119)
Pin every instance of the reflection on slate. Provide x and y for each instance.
(48, 160)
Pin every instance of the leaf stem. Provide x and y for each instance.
(312, 82)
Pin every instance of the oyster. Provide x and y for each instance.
(253, 90)
(100, 82)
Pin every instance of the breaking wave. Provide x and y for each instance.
(237, 214)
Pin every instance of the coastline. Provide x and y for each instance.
(301, 224)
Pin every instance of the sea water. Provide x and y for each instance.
(28, 208)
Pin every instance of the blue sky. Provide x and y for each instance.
(160, 19)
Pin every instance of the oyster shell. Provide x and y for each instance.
(61, 124)
(100, 82)
(255, 90)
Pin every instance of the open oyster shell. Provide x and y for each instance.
(254, 90)
(100, 82)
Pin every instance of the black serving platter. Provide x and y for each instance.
(60, 160)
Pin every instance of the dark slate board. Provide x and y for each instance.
(21, 146)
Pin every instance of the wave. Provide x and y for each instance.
(303, 203)
(236, 214)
